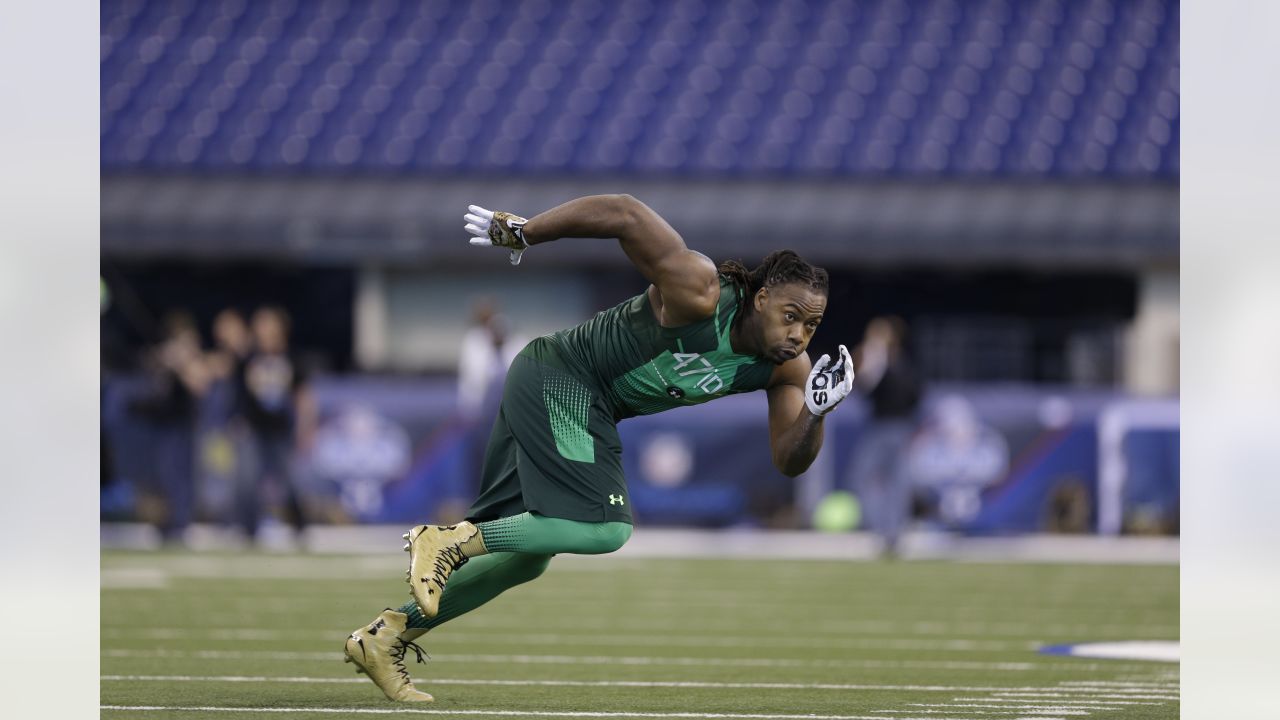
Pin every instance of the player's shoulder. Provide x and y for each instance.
(689, 295)
(704, 281)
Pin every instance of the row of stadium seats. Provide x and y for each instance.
(989, 88)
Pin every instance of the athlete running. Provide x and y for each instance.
(552, 479)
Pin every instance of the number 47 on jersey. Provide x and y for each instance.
(709, 384)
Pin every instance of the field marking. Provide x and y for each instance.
(688, 684)
(1159, 650)
(1113, 689)
(638, 660)
(1117, 696)
(1019, 712)
(594, 639)
(503, 713)
(1008, 709)
(1102, 699)
(848, 627)
(711, 601)
(1120, 683)
(698, 595)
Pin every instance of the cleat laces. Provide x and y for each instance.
(397, 652)
(449, 559)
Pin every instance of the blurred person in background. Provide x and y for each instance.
(224, 437)
(280, 413)
(488, 348)
(232, 343)
(953, 458)
(177, 379)
(552, 478)
(358, 452)
(108, 342)
(877, 473)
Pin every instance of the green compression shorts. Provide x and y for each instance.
(554, 449)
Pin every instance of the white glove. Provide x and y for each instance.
(825, 387)
(497, 229)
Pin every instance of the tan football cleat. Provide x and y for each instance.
(434, 554)
(378, 651)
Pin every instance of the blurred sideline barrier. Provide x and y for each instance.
(651, 542)
(985, 460)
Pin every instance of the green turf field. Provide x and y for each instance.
(227, 635)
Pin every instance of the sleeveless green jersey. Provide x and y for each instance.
(641, 368)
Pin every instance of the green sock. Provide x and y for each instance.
(519, 548)
(482, 579)
(529, 533)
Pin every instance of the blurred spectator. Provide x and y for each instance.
(953, 459)
(113, 357)
(177, 379)
(280, 413)
(488, 348)
(358, 452)
(885, 374)
(224, 438)
(231, 342)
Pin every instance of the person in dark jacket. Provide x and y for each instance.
(177, 380)
(878, 474)
(277, 407)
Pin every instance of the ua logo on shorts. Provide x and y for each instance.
(616, 500)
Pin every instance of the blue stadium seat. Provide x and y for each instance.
(864, 88)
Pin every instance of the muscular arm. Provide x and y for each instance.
(795, 434)
(684, 280)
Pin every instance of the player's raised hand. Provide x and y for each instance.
(497, 229)
(828, 384)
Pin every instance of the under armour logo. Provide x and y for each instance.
(616, 500)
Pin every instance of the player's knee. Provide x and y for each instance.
(611, 536)
(528, 566)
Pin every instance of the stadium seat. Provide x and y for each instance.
(717, 88)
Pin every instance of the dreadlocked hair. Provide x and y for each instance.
(778, 268)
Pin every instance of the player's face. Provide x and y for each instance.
(789, 315)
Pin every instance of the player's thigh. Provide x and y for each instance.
(567, 451)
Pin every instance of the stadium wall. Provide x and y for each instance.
(360, 219)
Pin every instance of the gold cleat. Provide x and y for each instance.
(434, 554)
(378, 651)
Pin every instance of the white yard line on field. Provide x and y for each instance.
(778, 627)
(660, 603)
(1122, 686)
(498, 713)
(1082, 693)
(1056, 708)
(754, 640)
(1062, 699)
(641, 660)
(1109, 695)
(1019, 712)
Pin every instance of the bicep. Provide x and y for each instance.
(685, 279)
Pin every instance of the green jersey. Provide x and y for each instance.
(641, 368)
(555, 449)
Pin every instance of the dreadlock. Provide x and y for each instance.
(778, 268)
